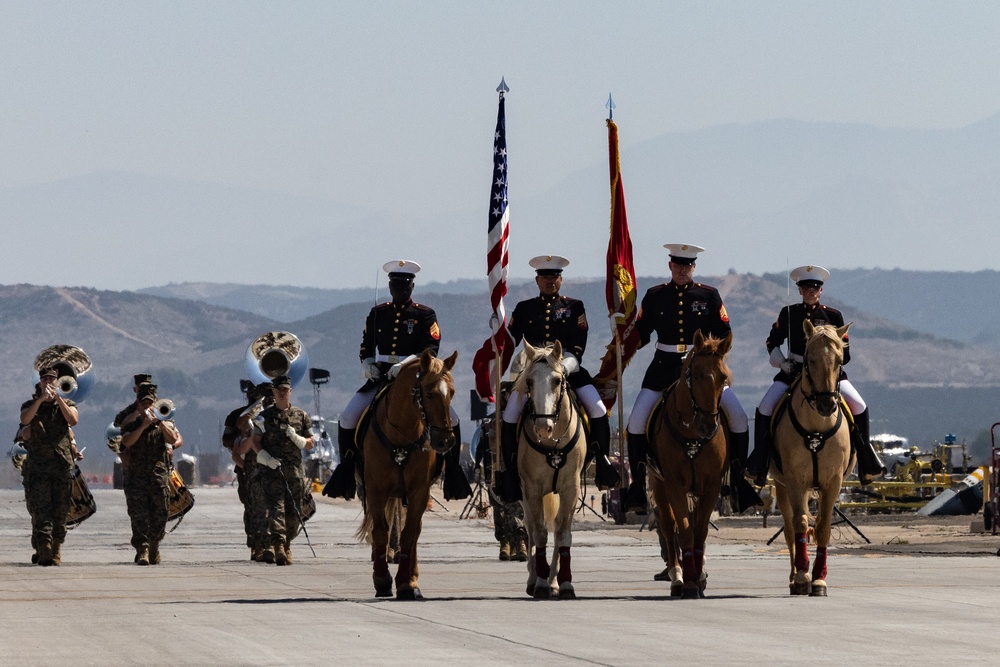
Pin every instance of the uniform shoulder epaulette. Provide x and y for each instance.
(658, 288)
(422, 306)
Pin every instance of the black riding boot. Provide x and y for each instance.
(638, 453)
(342, 483)
(606, 477)
(456, 484)
(742, 494)
(759, 462)
(869, 464)
(510, 479)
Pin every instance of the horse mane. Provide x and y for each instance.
(544, 352)
(827, 331)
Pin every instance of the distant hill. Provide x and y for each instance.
(918, 385)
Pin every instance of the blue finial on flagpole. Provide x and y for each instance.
(610, 107)
(502, 88)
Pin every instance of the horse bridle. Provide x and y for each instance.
(532, 415)
(556, 457)
(401, 453)
(813, 398)
(693, 446)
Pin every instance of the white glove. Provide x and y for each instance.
(569, 363)
(266, 459)
(776, 358)
(369, 368)
(299, 441)
(394, 369)
(788, 367)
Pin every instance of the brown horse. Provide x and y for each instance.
(689, 448)
(552, 448)
(812, 443)
(411, 426)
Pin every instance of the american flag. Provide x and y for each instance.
(499, 342)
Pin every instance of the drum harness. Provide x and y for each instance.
(555, 456)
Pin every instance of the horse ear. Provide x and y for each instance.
(725, 345)
(557, 350)
(842, 331)
(425, 359)
(449, 363)
(808, 327)
(699, 339)
(530, 351)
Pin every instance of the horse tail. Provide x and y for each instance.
(550, 507)
(393, 513)
(364, 532)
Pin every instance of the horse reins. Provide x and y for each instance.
(814, 441)
(692, 446)
(556, 457)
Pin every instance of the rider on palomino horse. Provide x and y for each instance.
(810, 281)
(395, 332)
(541, 321)
(675, 311)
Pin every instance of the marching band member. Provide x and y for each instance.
(238, 428)
(788, 326)
(395, 332)
(46, 430)
(287, 430)
(543, 320)
(675, 311)
(149, 442)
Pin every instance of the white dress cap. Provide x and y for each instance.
(684, 250)
(810, 273)
(548, 263)
(401, 266)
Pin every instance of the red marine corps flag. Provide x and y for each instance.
(621, 288)
(493, 358)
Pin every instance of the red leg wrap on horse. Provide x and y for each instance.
(541, 565)
(819, 566)
(381, 567)
(688, 566)
(565, 573)
(801, 555)
(403, 572)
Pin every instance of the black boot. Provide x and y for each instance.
(456, 484)
(606, 477)
(638, 452)
(742, 494)
(509, 480)
(869, 464)
(759, 462)
(342, 483)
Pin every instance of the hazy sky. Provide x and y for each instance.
(390, 106)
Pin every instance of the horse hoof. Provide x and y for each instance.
(690, 593)
(409, 594)
(676, 588)
(818, 589)
(383, 587)
(542, 592)
(799, 588)
(566, 592)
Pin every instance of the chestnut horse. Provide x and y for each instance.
(812, 444)
(550, 457)
(688, 444)
(410, 426)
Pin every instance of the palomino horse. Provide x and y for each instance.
(551, 453)
(410, 427)
(812, 446)
(689, 449)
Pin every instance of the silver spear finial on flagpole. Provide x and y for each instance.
(610, 107)
(502, 88)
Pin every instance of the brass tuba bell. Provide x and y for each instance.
(274, 354)
(75, 370)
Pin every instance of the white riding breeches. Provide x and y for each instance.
(356, 407)
(648, 398)
(855, 403)
(587, 394)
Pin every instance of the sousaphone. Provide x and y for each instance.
(276, 353)
(75, 369)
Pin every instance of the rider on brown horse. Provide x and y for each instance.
(395, 332)
(543, 320)
(809, 280)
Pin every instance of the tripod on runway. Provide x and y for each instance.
(843, 519)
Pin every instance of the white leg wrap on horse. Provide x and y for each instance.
(515, 404)
(355, 407)
(852, 397)
(771, 398)
(738, 421)
(643, 406)
(591, 400)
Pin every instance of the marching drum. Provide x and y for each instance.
(81, 503)
(181, 500)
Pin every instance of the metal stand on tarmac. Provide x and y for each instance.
(843, 519)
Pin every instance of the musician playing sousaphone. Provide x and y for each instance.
(395, 332)
(47, 471)
(149, 441)
(236, 433)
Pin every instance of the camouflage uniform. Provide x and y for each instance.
(254, 515)
(48, 473)
(119, 418)
(147, 484)
(283, 489)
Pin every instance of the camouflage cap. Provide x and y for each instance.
(146, 390)
(142, 378)
(281, 381)
(48, 372)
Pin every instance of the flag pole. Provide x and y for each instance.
(502, 89)
(619, 390)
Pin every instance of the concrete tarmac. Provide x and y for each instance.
(207, 604)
